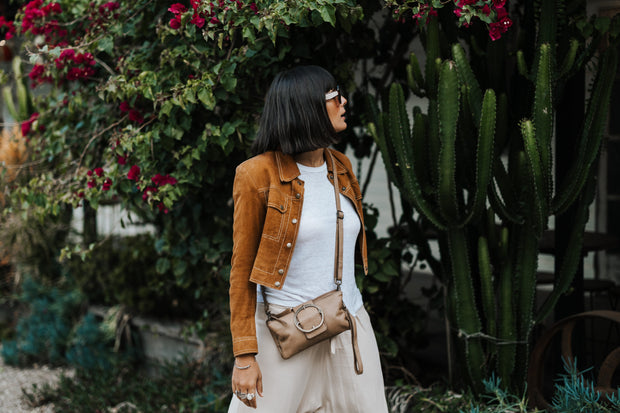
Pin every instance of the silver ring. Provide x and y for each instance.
(250, 396)
(241, 395)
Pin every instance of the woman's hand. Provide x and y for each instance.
(247, 382)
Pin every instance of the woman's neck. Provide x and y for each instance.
(312, 158)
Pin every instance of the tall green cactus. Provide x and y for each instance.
(490, 214)
(23, 109)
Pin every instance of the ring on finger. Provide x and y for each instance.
(241, 395)
(250, 396)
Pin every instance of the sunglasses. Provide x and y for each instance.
(335, 94)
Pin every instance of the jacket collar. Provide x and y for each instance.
(288, 170)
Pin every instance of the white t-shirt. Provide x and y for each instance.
(311, 270)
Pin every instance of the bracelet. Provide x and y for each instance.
(242, 367)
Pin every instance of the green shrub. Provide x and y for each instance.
(42, 334)
(54, 329)
(185, 386)
(123, 271)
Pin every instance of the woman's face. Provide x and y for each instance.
(336, 111)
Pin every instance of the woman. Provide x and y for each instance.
(289, 251)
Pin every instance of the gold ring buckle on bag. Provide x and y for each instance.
(298, 323)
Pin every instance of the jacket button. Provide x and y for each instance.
(294, 221)
(282, 207)
(344, 188)
(331, 176)
(297, 196)
(280, 271)
(277, 284)
(289, 245)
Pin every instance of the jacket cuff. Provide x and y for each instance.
(245, 345)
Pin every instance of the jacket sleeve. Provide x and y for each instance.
(248, 220)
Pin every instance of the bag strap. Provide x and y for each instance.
(357, 358)
(339, 236)
(339, 226)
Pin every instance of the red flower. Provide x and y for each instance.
(92, 183)
(198, 21)
(98, 171)
(486, 10)
(162, 207)
(135, 116)
(175, 23)
(177, 8)
(107, 184)
(501, 13)
(27, 125)
(499, 3)
(122, 160)
(254, 7)
(134, 173)
(495, 31)
(89, 173)
(161, 180)
(149, 190)
(124, 107)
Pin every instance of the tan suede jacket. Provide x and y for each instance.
(268, 197)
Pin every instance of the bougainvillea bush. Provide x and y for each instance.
(152, 104)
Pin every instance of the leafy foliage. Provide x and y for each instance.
(42, 336)
(184, 386)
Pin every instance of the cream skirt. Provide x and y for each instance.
(320, 378)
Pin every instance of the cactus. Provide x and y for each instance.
(490, 215)
(22, 111)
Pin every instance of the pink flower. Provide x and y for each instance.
(134, 173)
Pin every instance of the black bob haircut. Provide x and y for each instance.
(295, 118)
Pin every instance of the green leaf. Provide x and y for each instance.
(328, 13)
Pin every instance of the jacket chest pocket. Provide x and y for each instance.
(278, 206)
